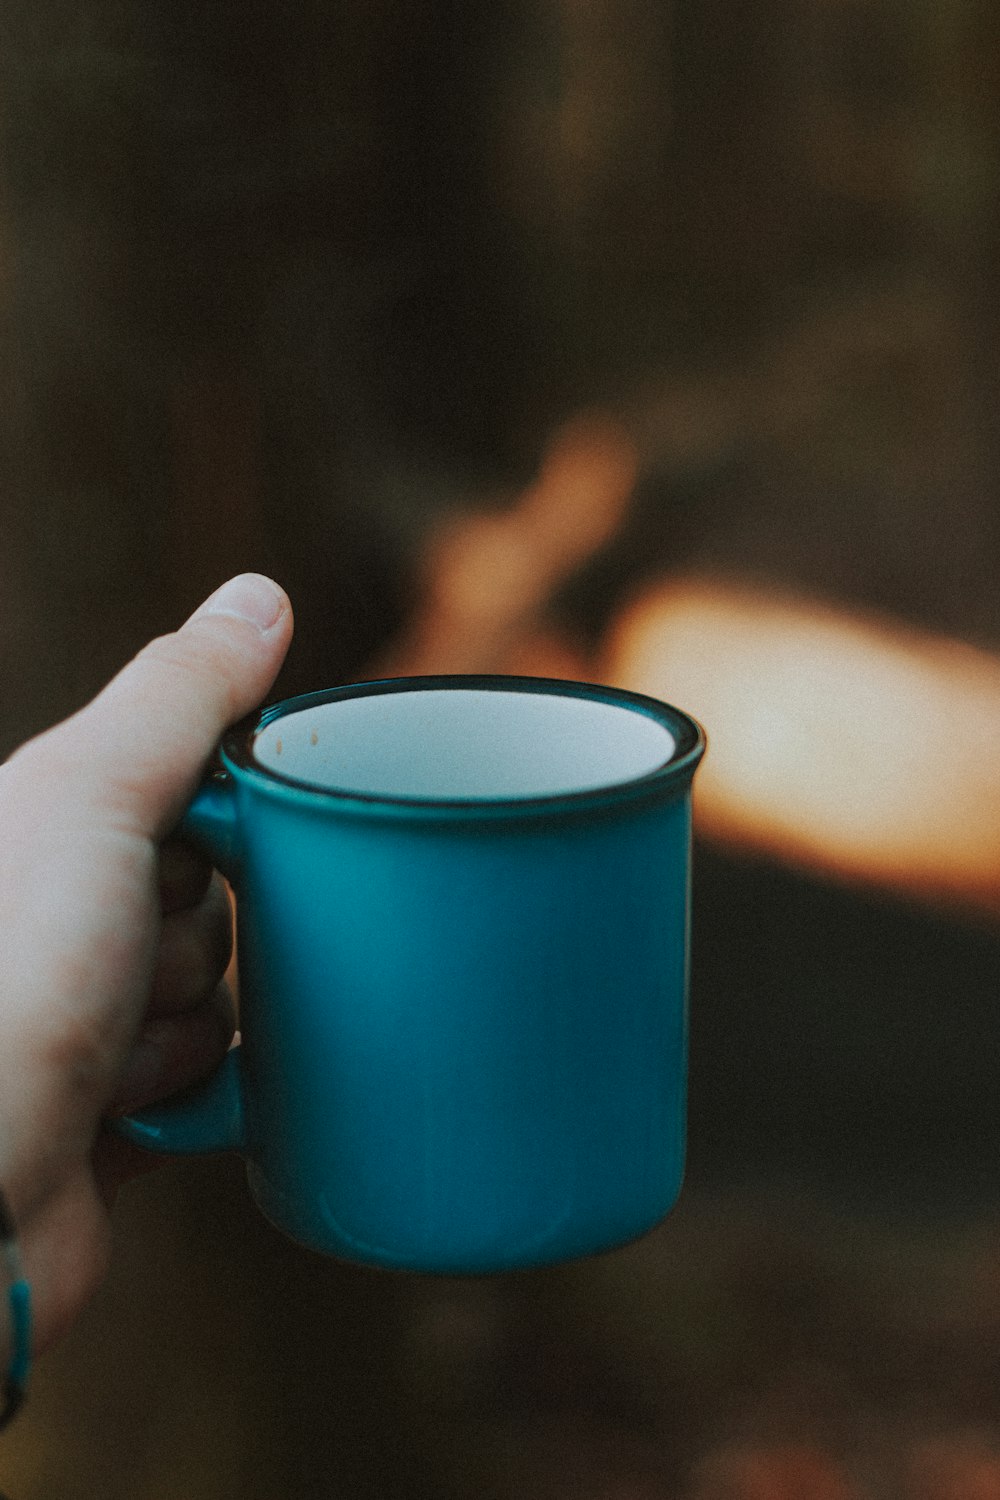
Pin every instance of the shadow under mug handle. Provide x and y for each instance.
(209, 1116)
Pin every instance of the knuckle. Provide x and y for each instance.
(184, 876)
(77, 1052)
(217, 916)
(223, 1007)
(195, 948)
(172, 660)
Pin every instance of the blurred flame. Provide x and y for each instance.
(486, 579)
(838, 741)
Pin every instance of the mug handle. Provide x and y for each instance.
(209, 1116)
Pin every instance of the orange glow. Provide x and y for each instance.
(487, 578)
(838, 741)
(771, 1473)
(962, 1467)
(835, 740)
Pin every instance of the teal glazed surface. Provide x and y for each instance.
(464, 1023)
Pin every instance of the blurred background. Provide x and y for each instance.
(651, 341)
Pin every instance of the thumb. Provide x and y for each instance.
(139, 749)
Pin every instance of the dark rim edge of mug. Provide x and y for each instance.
(236, 748)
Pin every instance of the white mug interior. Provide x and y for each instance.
(458, 744)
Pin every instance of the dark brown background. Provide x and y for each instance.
(281, 286)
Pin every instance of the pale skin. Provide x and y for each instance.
(116, 936)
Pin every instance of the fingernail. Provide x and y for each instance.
(142, 1074)
(250, 597)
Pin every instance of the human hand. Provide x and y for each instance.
(115, 936)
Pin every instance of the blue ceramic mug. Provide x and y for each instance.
(463, 909)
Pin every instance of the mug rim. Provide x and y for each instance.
(237, 756)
